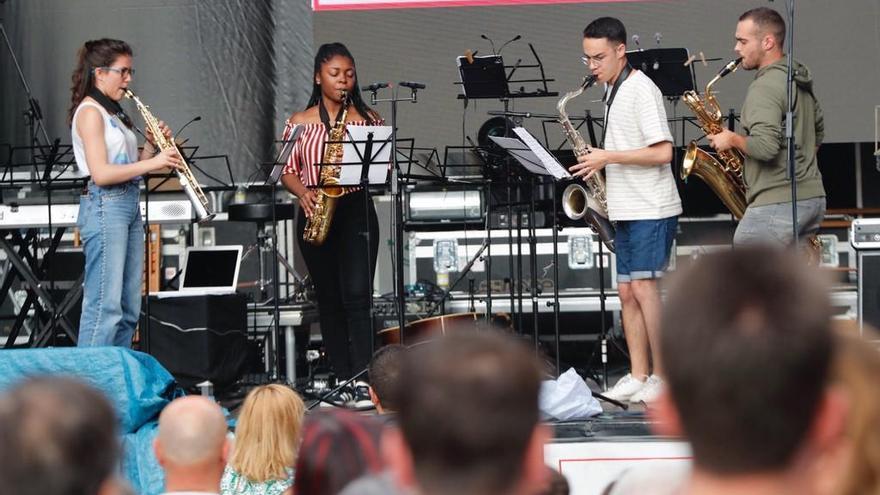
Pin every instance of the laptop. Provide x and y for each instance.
(207, 271)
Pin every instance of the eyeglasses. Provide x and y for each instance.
(591, 61)
(125, 71)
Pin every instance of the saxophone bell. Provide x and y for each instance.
(574, 201)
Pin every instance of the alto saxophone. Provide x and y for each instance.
(577, 202)
(723, 176)
(184, 174)
(318, 225)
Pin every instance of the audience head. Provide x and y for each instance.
(469, 416)
(267, 433)
(337, 447)
(384, 373)
(191, 445)
(856, 368)
(747, 341)
(57, 436)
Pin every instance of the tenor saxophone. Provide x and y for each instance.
(577, 202)
(187, 180)
(722, 174)
(318, 225)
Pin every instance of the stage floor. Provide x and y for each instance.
(594, 452)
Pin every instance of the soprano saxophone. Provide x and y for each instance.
(577, 202)
(187, 180)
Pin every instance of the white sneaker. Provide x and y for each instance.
(625, 388)
(650, 392)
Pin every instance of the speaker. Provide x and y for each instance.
(199, 337)
(869, 288)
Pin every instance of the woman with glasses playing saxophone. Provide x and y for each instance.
(332, 238)
(109, 213)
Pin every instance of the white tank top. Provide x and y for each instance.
(120, 141)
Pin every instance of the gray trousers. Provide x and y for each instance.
(771, 224)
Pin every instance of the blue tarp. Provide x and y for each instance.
(137, 385)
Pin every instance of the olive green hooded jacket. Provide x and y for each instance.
(763, 118)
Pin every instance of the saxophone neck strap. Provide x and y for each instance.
(113, 107)
(609, 97)
(325, 117)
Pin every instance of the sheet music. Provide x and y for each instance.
(350, 174)
(523, 155)
(287, 142)
(549, 161)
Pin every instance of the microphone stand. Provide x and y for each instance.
(789, 121)
(36, 128)
(397, 194)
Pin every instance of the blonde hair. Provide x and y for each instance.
(267, 435)
(856, 367)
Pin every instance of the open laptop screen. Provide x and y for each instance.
(211, 268)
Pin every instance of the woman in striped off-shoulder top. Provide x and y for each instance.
(342, 272)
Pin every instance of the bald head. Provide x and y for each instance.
(192, 430)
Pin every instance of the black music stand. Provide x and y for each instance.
(365, 163)
(666, 67)
(483, 77)
(272, 180)
(535, 158)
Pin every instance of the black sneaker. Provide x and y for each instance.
(362, 395)
(343, 398)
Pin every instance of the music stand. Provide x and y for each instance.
(366, 161)
(535, 158)
(666, 67)
(483, 77)
(278, 165)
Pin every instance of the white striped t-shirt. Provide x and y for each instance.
(637, 120)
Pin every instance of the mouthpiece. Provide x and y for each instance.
(730, 67)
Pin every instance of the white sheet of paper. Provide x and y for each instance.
(549, 161)
(523, 155)
(350, 175)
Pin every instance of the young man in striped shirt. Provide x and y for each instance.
(642, 198)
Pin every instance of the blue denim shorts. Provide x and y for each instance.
(642, 247)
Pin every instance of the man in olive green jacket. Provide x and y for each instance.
(760, 33)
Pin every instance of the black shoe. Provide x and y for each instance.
(342, 398)
(362, 398)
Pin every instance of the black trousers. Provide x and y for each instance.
(343, 275)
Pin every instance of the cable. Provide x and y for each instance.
(194, 329)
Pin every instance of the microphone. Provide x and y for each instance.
(194, 119)
(376, 86)
(490, 43)
(515, 38)
(412, 85)
(657, 38)
(636, 39)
